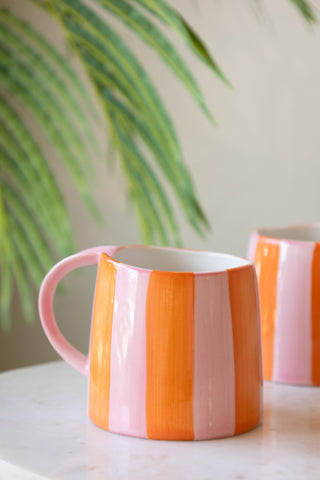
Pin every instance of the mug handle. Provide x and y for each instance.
(70, 354)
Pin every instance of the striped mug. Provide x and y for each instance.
(175, 348)
(288, 268)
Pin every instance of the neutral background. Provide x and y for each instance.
(259, 167)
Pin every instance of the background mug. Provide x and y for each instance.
(175, 341)
(288, 268)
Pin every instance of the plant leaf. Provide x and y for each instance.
(143, 27)
(305, 9)
(5, 270)
(108, 60)
(34, 215)
(38, 43)
(143, 129)
(20, 84)
(88, 30)
(159, 213)
(34, 221)
(29, 226)
(27, 83)
(24, 181)
(44, 74)
(144, 133)
(27, 169)
(25, 290)
(174, 20)
(10, 265)
(25, 251)
(5, 295)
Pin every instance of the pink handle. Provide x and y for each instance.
(46, 295)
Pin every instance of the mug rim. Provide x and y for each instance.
(270, 233)
(245, 262)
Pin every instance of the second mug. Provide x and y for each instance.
(287, 260)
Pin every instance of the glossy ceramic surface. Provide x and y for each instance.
(174, 354)
(288, 268)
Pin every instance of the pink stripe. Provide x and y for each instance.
(292, 348)
(214, 407)
(259, 340)
(128, 354)
(253, 242)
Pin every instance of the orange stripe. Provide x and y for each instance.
(170, 356)
(100, 348)
(315, 327)
(246, 345)
(266, 262)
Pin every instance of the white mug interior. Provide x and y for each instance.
(306, 233)
(177, 260)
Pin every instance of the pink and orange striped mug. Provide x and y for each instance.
(175, 349)
(288, 268)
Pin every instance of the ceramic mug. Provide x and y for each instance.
(288, 267)
(175, 349)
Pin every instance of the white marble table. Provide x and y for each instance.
(45, 434)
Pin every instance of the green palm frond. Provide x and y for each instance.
(153, 36)
(162, 10)
(118, 75)
(38, 80)
(34, 224)
(19, 80)
(43, 74)
(39, 45)
(5, 266)
(305, 9)
(23, 162)
(142, 181)
(33, 220)
(36, 77)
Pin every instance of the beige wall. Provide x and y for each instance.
(260, 166)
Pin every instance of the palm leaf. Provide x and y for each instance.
(110, 62)
(158, 214)
(87, 29)
(27, 169)
(34, 224)
(29, 257)
(143, 132)
(305, 9)
(5, 294)
(26, 292)
(37, 202)
(5, 264)
(11, 266)
(16, 80)
(28, 225)
(31, 91)
(38, 44)
(44, 74)
(174, 20)
(25, 250)
(153, 36)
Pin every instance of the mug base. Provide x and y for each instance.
(292, 382)
(178, 438)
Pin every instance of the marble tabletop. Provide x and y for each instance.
(45, 434)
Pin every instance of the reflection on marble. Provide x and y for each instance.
(45, 433)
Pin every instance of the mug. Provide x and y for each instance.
(287, 260)
(175, 349)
